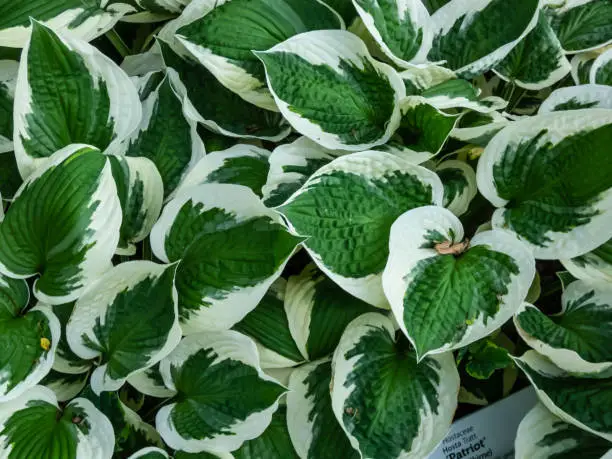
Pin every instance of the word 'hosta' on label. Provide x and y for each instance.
(63, 225)
(223, 399)
(230, 247)
(447, 292)
(331, 90)
(374, 367)
(578, 338)
(346, 210)
(560, 205)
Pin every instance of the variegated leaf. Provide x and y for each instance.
(472, 36)
(581, 401)
(577, 339)
(346, 210)
(241, 164)
(28, 338)
(127, 319)
(68, 92)
(577, 97)
(331, 90)
(150, 382)
(457, 93)
(231, 248)
(34, 425)
(221, 386)
(594, 265)
(373, 367)
(581, 67)
(560, 206)
(601, 71)
(65, 386)
(215, 33)
(442, 289)
(63, 225)
(459, 180)
(318, 311)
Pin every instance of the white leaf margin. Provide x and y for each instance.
(329, 47)
(227, 345)
(408, 236)
(459, 205)
(598, 94)
(94, 303)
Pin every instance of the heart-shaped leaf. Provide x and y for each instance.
(444, 291)
(63, 225)
(128, 319)
(231, 249)
(471, 37)
(331, 90)
(28, 339)
(221, 35)
(221, 387)
(560, 204)
(577, 339)
(373, 367)
(583, 402)
(346, 210)
(33, 425)
(69, 92)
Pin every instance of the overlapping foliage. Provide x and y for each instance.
(276, 229)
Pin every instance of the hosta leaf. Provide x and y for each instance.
(397, 148)
(33, 425)
(231, 249)
(208, 102)
(166, 137)
(582, 25)
(400, 27)
(423, 127)
(581, 67)
(221, 35)
(202, 455)
(584, 402)
(538, 61)
(577, 97)
(329, 88)
(559, 205)
(63, 225)
(291, 165)
(577, 339)
(444, 300)
(87, 19)
(542, 435)
(8, 80)
(66, 361)
(420, 78)
(374, 369)
(150, 452)
(28, 340)
(601, 71)
(268, 326)
(458, 93)
(274, 443)
(594, 265)
(459, 180)
(241, 164)
(141, 193)
(163, 6)
(471, 36)
(479, 128)
(310, 419)
(221, 387)
(127, 319)
(150, 382)
(483, 358)
(10, 180)
(131, 432)
(318, 311)
(65, 386)
(346, 210)
(69, 92)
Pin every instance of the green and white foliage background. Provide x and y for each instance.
(314, 229)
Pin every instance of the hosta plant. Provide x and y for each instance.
(314, 229)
